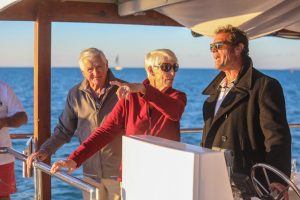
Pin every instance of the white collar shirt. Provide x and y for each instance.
(224, 88)
(9, 105)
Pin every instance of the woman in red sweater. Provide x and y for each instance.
(149, 108)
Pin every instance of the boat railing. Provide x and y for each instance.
(183, 131)
(39, 167)
(200, 130)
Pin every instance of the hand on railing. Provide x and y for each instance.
(70, 164)
(39, 155)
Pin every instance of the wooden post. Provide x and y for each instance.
(42, 86)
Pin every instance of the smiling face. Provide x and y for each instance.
(161, 67)
(223, 52)
(95, 70)
(164, 79)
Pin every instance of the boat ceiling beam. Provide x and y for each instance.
(76, 11)
(136, 6)
(7, 3)
(24, 10)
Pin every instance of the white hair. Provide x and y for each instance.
(88, 54)
(157, 57)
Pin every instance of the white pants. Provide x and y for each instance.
(109, 189)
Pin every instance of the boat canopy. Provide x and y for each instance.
(258, 18)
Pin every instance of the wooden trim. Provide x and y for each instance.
(90, 12)
(22, 11)
(42, 86)
(20, 135)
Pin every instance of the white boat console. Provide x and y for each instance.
(160, 169)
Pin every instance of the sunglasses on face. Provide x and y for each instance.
(166, 67)
(218, 45)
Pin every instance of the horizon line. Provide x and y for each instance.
(139, 67)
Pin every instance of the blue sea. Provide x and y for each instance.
(191, 81)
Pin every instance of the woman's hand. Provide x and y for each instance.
(126, 88)
(71, 165)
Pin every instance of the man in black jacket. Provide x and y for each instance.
(245, 110)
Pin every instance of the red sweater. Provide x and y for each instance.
(154, 113)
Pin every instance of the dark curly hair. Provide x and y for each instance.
(237, 36)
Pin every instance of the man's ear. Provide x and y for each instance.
(106, 66)
(84, 75)
(239, 48)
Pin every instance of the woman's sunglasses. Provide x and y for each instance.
(166, 67)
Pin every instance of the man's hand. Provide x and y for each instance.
(3, 122)
(126, 88)
(39, 155)
(277, 188)
(14, 121)
(57, 166)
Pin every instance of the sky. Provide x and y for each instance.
(131, 43)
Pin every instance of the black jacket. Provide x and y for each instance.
(251, 121)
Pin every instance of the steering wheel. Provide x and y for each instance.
(266, 193)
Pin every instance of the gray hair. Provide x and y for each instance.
(90, 53)
(157, 57)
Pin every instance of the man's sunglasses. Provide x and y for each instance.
(218, 45)
(166, 67)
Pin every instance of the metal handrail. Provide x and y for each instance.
(183, 130)
(200, 130)
(294, 125)
(191, 130)
(40, 166)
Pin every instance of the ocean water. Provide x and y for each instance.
(191, 81)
